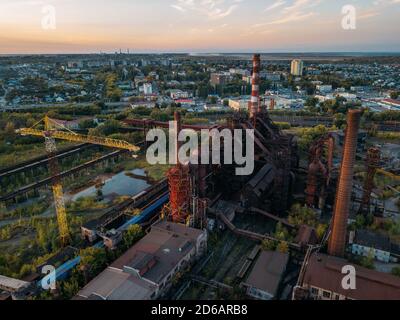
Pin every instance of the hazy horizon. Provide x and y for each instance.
(294, 53)
(196, 26)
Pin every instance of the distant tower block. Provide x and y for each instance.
(337, 240)
(296, 68)
(255, 82)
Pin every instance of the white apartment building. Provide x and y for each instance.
(177, 94)
(297, 67)
(148, 89)
(239, 104)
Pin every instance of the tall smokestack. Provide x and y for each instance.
(255, 82)
(337, 241)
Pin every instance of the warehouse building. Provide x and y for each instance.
(146, 270)
(264, 279)
(323, 281)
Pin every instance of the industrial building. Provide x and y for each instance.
(146, 270)
(193, 197)
(265, 277)
(323, 281)
(322, 275)
(18, 289)
(371, 244)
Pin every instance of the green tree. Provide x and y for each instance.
(109, 127)
(300, 215)
(360, 221)
(10, 131)
(311, 102)
(281, 233)
(368, 262)
(132, 235)
(340, 120)
(394, 94)
(213, 100)
(26, 269)
(308, 135)
(93, 261)
(159, 115)
(12, 94)
(396, 271)
(268, 245)
(41, 236)
(69, 288)
(321, 229)
(283, 247)
(86, 124)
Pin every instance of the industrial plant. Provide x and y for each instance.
(291, 230)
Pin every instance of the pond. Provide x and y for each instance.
(126, 183)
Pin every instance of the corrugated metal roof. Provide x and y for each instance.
(373, 240)
(325, 272)
(12, 284)
(268, 270)
(166, 244)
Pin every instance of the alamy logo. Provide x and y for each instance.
(49, 281)
(349, 21)
(49, 17)
(349, 281)
(188, 145)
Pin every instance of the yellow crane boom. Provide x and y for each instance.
(50, 133)
(74, 137)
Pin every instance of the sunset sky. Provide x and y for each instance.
(198, 26)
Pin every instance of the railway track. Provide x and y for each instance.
(41, 160)
(48, 181)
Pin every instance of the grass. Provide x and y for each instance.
(388, 135)
(21, 153)
(154, 172)
(382, 178)
(389, 175)
(86, 203)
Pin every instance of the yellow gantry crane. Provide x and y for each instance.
(55, 130)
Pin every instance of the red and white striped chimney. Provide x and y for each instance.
(255, 91)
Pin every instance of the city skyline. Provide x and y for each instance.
(197, 26)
